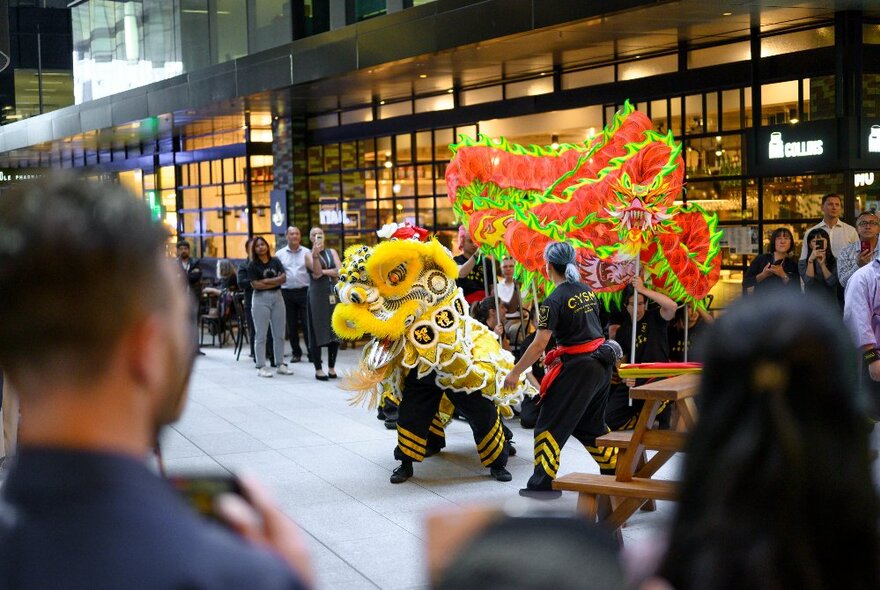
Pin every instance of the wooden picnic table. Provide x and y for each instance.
(612, 499)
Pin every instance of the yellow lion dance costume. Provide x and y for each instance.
(402, 293)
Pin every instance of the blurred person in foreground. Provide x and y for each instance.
(80, 508)
(861, 312)
(777, 473)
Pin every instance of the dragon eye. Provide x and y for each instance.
(397, 274)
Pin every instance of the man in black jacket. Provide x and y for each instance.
(99, 351)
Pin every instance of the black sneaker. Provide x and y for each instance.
(511, 450)
(402, 473)
(380, 414)
(540, 494)
(500, 474)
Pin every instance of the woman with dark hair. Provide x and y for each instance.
(819, 268)
(323, 265)
(574, 390)
(775, 268)
(777, 471)
(266, 274)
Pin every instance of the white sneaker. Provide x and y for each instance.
(264, 372)
(283, 370)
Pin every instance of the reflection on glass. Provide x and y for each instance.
(798, 197)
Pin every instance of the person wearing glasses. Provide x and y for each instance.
(859, 253)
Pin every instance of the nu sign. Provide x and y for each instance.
(777, 148)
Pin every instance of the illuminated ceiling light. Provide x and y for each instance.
(387, 153)
(719, 152)
(388, 164)
(726, 13)
(423, 75)
(395, 188)
(794, 121)
(381, 102)
(718, 138)
(555, 142)
(450, 91)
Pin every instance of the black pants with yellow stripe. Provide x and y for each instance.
(574, 406)
(419, 429)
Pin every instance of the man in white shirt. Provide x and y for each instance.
(295, 290)
(842, 234)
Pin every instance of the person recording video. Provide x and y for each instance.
(819, 268)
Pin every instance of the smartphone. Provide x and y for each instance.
(775, 262)
(865, 246)
(820, 244)
(199, 491)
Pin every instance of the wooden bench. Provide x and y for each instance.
(612, 499)
(595, 491)
(652, 440)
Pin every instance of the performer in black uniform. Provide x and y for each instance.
(417, 435)
(575, 389)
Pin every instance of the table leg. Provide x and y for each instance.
(626, 464)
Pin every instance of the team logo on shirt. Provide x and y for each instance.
(543, 315)
(582, 302)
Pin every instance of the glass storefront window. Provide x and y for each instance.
(231, 35)
(779, 102)
(871, 95)
(819, 98)
(797, 41)
(272, 24)
(798, 197)
(731, 110)
(720, 155)
(723, 197)
(364, 9)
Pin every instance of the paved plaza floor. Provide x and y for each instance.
(328, 464)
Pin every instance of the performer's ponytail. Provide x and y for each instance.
(561, 257)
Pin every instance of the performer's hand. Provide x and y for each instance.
(511, 381)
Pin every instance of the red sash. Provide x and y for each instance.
(553, 360)
(475, 296)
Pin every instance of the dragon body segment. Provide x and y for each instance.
(613, 199)
(402, 294)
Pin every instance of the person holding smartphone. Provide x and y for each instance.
(860, 253)
(819, 268)
(323, 264)
(775, 268)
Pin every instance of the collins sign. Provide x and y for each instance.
(778, 148)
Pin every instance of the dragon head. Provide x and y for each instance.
(385, 288)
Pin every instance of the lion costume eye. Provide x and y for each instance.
(397, 274)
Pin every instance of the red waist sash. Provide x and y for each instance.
(553, 360)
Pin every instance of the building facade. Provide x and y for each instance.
(236, 118)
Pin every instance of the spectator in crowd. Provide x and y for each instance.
(841, 234)
(486, 312)
(652, 346)
(777, 471)
(80, 508)
(775, 268)
(294, 257)
(248, 291)
(192, 271)
(323, 264)
(266, 274)
(861, 312)
(471, 276)
(697, 321)
(860, 253)
(564, 554)
(819, 268)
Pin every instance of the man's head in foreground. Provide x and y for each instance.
(93, 319)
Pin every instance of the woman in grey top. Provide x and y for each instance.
(323, 265)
